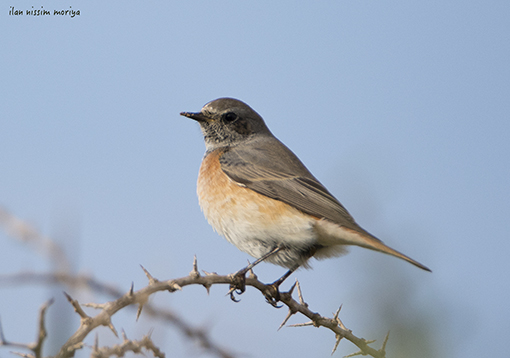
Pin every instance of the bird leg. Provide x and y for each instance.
(272, 293)
(239, 278)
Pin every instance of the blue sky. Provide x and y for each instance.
(400, 108)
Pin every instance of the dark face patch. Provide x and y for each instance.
(241, 126)
(236, 123)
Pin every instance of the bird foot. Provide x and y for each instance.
(238, 284)
(272, 294)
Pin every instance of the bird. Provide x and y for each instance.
(255, 192)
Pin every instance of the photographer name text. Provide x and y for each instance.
(43, 12)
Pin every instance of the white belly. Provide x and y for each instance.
(251, 221)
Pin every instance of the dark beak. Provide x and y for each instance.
(199, 117)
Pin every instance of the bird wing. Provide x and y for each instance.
(268, 167)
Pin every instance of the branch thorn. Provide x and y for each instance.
(194, 273)
(77, 307)
(152, 280)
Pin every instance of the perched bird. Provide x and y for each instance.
(256, 193)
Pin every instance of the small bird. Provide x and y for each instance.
(256, 192)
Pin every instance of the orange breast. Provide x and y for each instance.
(238, 212)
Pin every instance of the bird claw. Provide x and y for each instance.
(232, 297)
(272, 295)
(238, 285)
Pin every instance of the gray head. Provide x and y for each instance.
(228, 121)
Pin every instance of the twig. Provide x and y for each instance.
(127, 345)
(35, 347)
(87, 282)
(24, 232)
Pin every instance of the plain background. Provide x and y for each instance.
(401, 108)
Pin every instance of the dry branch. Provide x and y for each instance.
(35, 347)
(126, 346)
(108, 309)
(140, 297)
(26, 233)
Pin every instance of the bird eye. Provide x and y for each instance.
(230, 117)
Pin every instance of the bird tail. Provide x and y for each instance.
(341, 235)
(381, 247)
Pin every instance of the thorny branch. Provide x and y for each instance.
(26, 233)
(198, 335)
(127, 345)
(108, 309)
(35, 347)
(89, 323)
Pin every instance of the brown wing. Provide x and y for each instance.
(271, 169)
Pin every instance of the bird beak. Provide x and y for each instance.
(199, 117)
